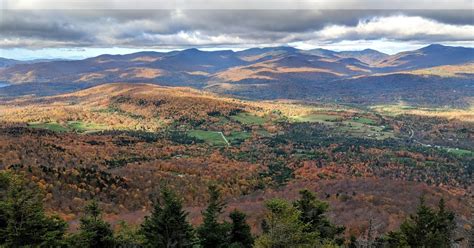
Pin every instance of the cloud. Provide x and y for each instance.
(182, 28)
(399, 27)
(236, 4)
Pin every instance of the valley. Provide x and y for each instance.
(119, 143)
(236, 124)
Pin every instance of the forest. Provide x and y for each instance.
(113, 157)
(301, 223)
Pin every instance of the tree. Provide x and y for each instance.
(93, 232)
(427, 228)
(313, 214)
(212, 233)
(23, 221)
(283, 227)
(240, 235)
(445, 224)
(128, 236)
(167, 226)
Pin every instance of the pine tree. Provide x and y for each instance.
(313, 213)
(427, 228)
(283, 228)
(23, 221)
(445, 225)
(240, 235)
(212, 233)
(93, 232)
(167, 226)
(127, 235)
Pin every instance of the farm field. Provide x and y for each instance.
(130, 141)
(75, 126)
(210, 137)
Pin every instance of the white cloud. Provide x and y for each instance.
(213, 29)
(194, 38)
(398, 28)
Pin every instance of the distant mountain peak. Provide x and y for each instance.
(369, 50)
(191, 50)
(433, 47)
(286, 48)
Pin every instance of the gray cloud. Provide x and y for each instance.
(158, 28)
(236, 4)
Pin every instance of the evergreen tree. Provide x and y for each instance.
(240, 235)
(167, 226)
(313, 214)
(94, 232)
(127, 236)
(445, 225)
(23, 221)
(212, 233)
(283, 228)
(427, 228)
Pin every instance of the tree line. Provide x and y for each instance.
(301, 223)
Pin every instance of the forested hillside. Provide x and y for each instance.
(121, 145)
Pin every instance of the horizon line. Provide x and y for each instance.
(203, 49)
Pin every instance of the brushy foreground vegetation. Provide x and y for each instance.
(302, 223)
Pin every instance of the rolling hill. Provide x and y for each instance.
(368, 56)
(118, 143)
(266, 73)
(430, 56)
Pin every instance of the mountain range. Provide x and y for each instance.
(366, 76)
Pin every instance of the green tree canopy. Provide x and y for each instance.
(240, 235)
(313, 214)
(127, 235)
(283, 227)
(167, 226)
(212, 233)
(23, 221)
(426, 228)
(93, 232)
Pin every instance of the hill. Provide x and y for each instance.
(265, 73)
(430, 56)
(368, 56)
(119, 143)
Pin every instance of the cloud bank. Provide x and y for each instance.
(39, 24)
(236, 4)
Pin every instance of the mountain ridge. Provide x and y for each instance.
(259, 73)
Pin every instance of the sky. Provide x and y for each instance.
(34, 29)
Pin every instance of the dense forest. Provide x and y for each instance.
(301, 223)
(129, 150)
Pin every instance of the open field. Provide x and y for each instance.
(448, 113)
(73, 126)
(364, 120)
(55, 127)
(361, 130)
(321, 118)
(210, 137)
(460, 152)
(217, 138)
(342, 123)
